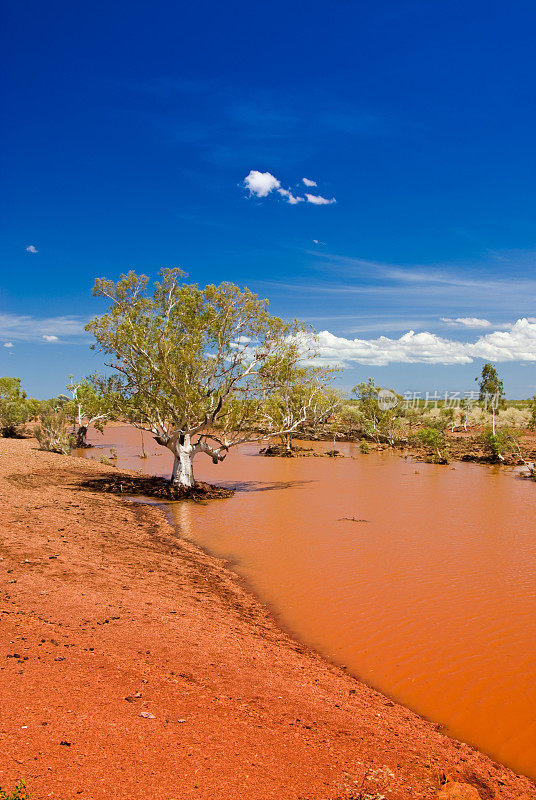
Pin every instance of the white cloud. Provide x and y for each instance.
(290, 197)
(21, 328)
(261, 184)
(466, 322)
(8, 344)
(516, 344)
(32, 249)
(317, 200)
(317, 241)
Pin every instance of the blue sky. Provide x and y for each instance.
(131, 129)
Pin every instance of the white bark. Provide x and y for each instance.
(184, 452)
(183, 468)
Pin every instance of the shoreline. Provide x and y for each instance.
(104, 602)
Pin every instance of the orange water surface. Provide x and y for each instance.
(421, 579)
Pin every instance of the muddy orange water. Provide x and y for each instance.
(428, 593)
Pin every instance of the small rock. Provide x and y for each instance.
(458, 791)
(147, 715)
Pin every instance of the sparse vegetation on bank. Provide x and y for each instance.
(206, 370)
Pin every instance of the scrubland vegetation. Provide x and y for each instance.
(204, 370)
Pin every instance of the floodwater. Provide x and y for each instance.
(421, 579)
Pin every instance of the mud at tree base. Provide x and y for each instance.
(123, 483)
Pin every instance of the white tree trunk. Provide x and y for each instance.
(183, 468)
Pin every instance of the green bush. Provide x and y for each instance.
(497, 444)
(18, 793)
(52, 432)
(434, 439)
(532, 409)
(14, 407)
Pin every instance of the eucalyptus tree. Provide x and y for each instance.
(88, 406)
(305, 396)
(197, 367)
(378, 421)
(15, 408)
(491, 390)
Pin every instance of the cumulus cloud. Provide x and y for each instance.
(261, 184)
(8, 344)
(290, 197)
(32, 249)
(49, 337)
(467, 322)
(516, 344)
(317, 200)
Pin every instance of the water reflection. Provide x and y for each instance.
(420, 578)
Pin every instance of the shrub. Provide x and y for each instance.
(52, 432)
(14, 407)
(434, 439)
(18, 793)
(532, 409)
(497, 444)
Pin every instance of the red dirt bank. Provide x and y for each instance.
(107, 615)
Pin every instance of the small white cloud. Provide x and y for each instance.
(32, 249)
(290, 197)
(317, 241)
(317, 200)
(8, 344)
(261, 184)
(466, 322)
(50, 338)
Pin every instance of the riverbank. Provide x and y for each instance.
(460, 445)
(135, 665)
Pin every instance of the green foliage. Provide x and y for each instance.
(14, 406)
(87, 406)
(52, 431)
(304, 397)
(364, 447)
(449, 415)
(491, 387)
(498, 443)
(434, 439)
(532, 408)
(376, 422)
(190, 362)
(19, 792)
(367, 396)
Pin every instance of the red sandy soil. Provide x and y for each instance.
(107, 615)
